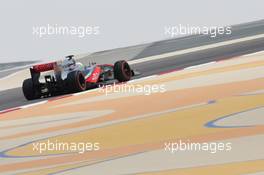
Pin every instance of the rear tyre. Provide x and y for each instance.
(29, 91)
(122, 71)
(76, 81)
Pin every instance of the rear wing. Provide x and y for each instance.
(37, 69)
(43, 67)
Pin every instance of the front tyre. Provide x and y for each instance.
(122, 71)
(29, 91)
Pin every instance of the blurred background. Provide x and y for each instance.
(121, 23)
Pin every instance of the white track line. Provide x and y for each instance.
(143, 78)
(85, 92)
(11, 75)
(254, 54)
(33, 104)
(199, 65)
(194, 49)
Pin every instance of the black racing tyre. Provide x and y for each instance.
(122, 71)
(76, 81)
(29, 91)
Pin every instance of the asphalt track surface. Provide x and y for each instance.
(14, 97)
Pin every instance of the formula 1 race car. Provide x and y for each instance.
(69, 76)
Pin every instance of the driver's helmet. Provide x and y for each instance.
(69, 63)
